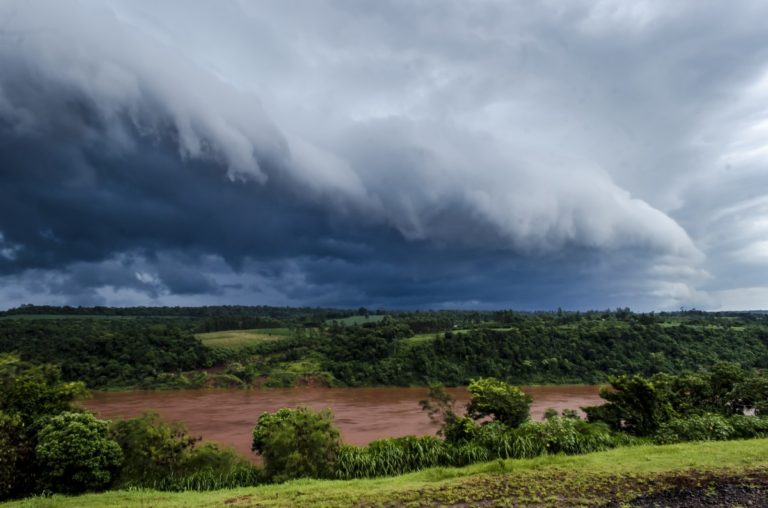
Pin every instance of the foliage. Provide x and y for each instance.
(155, 347)
(499, 400)
(106, 352)
(297, 443)
(641, 405)
(76, 453)
(153, 449)
(748, 427)
(28, 395)
(635, 405)
(707, 427)
(10, 452)
(34, 391)
(598, 479)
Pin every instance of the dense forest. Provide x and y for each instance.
(277, 346)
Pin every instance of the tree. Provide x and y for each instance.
(439, 407)
(11, 452)
(634, 404)
(297, 443)
(76, 453)
(152, 448)
(28, 395)
(499, 400)
(34, 391)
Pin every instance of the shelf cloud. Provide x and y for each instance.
(397, 154)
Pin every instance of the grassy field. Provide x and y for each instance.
(585, 480)
(356, 320)
(237, 339)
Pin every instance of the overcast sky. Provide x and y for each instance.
(399, 154)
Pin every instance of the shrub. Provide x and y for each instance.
(707, 427)
(152, 449)
(76, 453)
(746, 427)
(297, 443)
(499, 400)
(554, 435)
(635, 405)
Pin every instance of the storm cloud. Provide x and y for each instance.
(398, 154)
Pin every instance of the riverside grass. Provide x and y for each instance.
(550, 480)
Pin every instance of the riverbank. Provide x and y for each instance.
(673, 472)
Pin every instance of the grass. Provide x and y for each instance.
(238, 339)
(356, 320)
(553, 480)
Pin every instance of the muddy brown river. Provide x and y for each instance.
(362, 414)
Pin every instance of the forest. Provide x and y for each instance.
(175, 347)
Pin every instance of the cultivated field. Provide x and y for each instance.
(238, 339)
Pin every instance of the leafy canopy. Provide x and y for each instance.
(501, 401)
(297, 443)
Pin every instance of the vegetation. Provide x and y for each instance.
(673, 379)
(498, 400)
(239, 339)
(593, 479)
(75, 453)
(297, 443)
(48, 445)
(275, 346)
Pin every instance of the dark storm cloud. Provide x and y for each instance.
(389, 153)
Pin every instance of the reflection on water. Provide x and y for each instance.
(362, 414)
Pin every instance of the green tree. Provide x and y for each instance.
(634, 404)
(34, 391)
(152, 448)
(11, 452)
(499, 400)
(297, 443)
(28, 395)
(76, 453)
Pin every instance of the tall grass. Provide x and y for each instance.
(205, 479)
(389, 457)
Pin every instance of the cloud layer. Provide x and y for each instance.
(483, 154)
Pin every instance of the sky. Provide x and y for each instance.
(390, 154)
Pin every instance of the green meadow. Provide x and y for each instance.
(238, 339)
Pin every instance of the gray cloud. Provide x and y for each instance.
(593, 153)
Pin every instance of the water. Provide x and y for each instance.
(362, 414)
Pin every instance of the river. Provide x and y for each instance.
(362, 414)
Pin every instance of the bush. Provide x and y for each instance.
(555, 435)
(707, 427)
(635, 405)
(747, 427)
(152, 449)
(297, 443)
(499, 400)
(76, 453)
